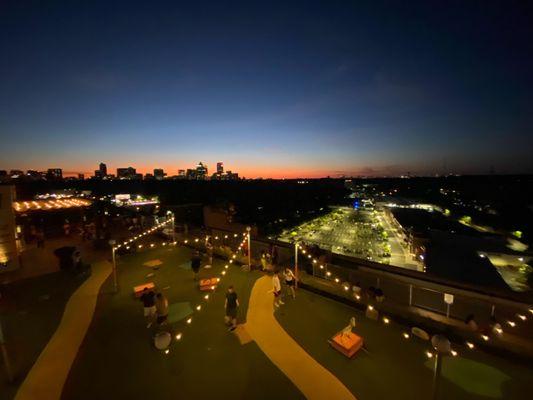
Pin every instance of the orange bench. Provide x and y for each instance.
(346, 343)
(138, 290)
(208, 284)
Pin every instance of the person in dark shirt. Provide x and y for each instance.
(231, 304)
(148, 299)
(196, 260)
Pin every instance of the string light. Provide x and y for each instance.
(429, 354)
(470, 345)
(521, 316)
(485, 338)
(406, 335)
(386, 320)
(178, 336)
(454, 353)
(511, 323)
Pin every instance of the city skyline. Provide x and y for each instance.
(285, 90)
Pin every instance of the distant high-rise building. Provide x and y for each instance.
(220, 168)
(159, 174)
(32, 174)
(127, 173)
(191, 173)
(81, 177)
(103, 170)
(181, 173)
(231, 176)
(201, 171)
(54, 173)
(16, 173)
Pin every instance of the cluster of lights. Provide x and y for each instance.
(128, 243)
(22, 206)
(328, 274)
(386, 320)
(179, 335)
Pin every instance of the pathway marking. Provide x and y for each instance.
(48, 375)
(310, 377)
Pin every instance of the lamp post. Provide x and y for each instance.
(113, 258)
(442, 347)
(249, 229)
(296, 264)
(170, 215)
(5, 356)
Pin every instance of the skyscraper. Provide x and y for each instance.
(220, 168)
(54, 173)
(103, 170)
(159, 174)
(127, 173)
(201, 171)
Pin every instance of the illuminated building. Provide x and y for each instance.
(56, 204)
(126, 173)
(9, 259)
(16, 173)
(220, 168)
(54, 174)
(201, 171)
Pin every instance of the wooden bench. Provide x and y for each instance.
(138, 290)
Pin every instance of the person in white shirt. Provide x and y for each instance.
(276, 288)
(290, 280)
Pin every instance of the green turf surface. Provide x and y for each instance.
(393, 367)
(118, 361)
(31, 310)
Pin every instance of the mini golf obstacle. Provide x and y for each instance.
(138, 290)
(347, 342)
(208, 284)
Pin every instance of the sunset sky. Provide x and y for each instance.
(271, 89)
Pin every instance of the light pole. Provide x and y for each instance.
(115, 281)
(5, 356)
(442, 347)
(296, 264)
(170, 215)
(249, 229)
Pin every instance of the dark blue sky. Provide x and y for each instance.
(271, 89)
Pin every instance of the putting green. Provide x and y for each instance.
(472, 376)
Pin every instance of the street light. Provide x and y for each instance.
(249, 229)
(115, 281)
(296, 264)
(442, 347)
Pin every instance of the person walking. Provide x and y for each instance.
(290, 280)
(148, 300)
(161, 305)
(231, 305)
(196, 261)
(276, 288)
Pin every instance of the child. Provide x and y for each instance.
(277, 290)
(290, 280)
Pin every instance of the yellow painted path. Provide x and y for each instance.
(48, 375)
(311, 378)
